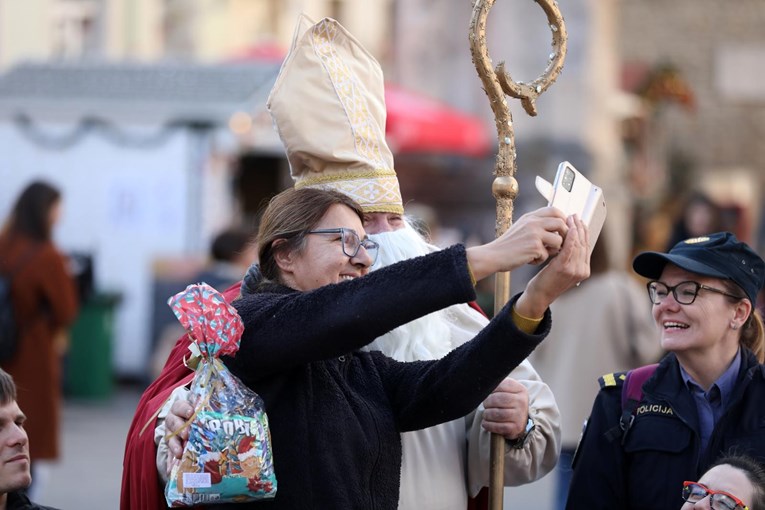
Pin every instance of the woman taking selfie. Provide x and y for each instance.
(704, 398)
(336, 413)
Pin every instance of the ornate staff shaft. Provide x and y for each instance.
(498, 83)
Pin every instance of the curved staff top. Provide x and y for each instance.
(497, 83)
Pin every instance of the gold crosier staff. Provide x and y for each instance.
(497, 83)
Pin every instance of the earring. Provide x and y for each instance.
(733, 325)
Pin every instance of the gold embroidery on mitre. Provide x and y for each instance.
(375, 191)
(696, 240)
(366, 135)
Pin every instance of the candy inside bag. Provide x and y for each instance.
(228, 457)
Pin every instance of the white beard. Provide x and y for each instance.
(431, 336)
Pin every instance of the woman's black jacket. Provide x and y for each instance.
(336, 413)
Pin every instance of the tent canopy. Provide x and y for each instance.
(417, 123)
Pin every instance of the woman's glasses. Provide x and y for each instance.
(351, 242)
(684, 292)
(693, 492)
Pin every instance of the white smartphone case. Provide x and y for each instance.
(583, 199)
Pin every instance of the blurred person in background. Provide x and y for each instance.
(45, 303)
(442, 466)
(699, 216)
(734, 482)
(15, 476)
(231, 253)
(704, 397)
(618, 332)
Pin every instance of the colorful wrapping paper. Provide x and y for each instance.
(228, 457)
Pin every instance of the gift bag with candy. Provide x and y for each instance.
(228, 457)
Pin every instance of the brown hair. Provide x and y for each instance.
(290, 215)
(7, 388)
(30, 215)
(230, 244)
(753, 331)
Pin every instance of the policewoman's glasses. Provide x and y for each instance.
(684, 292)
(351, 242)
(693, 492)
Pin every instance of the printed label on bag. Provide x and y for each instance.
(197, 480)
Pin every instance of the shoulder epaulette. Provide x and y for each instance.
(612, 380)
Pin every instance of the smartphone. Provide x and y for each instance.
(573, 193)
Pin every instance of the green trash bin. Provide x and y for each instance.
(89, 361)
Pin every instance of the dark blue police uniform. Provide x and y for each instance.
(645, 468)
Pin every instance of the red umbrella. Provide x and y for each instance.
(417, 123)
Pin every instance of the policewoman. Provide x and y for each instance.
(706, 396)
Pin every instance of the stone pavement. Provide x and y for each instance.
(89, 474)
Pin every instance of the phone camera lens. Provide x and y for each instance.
(568, 179)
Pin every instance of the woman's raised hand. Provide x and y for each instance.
(532, 239)
(567, 269)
